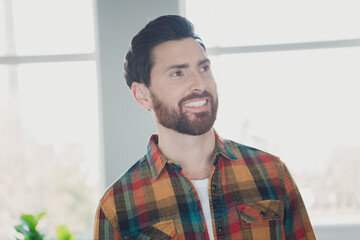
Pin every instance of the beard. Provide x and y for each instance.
(179, 121)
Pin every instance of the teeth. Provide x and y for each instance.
(196, 103)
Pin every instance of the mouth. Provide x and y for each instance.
(197, 106)
(197, 103)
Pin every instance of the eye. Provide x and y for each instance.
(177, 74)
(205, 68)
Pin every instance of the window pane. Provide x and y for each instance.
(302, 106)
(53, 27)
(49, 145)
(2, 29)
(234, 22)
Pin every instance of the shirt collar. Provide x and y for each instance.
(157, 160)
(154, 157)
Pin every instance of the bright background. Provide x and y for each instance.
(49, 114)
(287, 75)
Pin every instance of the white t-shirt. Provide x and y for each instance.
(203, 193)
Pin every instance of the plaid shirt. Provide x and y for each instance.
(251, 193)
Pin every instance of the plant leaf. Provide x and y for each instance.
(29, 220)
(22, 230)
(62, 233)
(38, 236)
(40, 215)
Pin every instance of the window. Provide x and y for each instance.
(287, 75)
(49, 127)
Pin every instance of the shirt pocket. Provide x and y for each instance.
(261, 219)
(264, 210)
(163, 230)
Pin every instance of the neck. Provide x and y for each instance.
(194, 153)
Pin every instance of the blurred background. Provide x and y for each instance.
(288, 80)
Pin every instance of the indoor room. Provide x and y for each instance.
(287, 76)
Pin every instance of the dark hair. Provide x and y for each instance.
(138, 60)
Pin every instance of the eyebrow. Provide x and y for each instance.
(185, 65)
(206, 60)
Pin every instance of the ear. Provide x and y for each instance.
(141, 94)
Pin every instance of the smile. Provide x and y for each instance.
(196, 103)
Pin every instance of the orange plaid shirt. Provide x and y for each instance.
(251, 194)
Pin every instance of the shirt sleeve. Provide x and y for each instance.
(103, 228)
(296, 220)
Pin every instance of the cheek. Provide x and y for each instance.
(171, 97)
(212, 87)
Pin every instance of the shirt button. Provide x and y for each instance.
(190, 189)
(213, 187)
(202, 232)
(263, 214)
(219, 229)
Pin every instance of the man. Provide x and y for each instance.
(191, 183)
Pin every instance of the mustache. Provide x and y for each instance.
(195, 96)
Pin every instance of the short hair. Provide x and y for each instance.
(139, 60)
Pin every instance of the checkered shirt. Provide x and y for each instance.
(251, 193)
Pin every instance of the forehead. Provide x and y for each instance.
(177, 52)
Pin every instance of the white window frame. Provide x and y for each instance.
(12, 60)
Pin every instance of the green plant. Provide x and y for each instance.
(28, 227)
(62, 233)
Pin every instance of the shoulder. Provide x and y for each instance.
(134, 173)
(247, 151)
(250, 155)
(114, 194)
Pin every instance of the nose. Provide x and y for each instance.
(197, 82)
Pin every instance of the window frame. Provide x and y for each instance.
(12, 60)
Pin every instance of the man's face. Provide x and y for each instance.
(182, 87)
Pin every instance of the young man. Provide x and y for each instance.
(191, 183)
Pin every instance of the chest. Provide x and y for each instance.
(244, 203)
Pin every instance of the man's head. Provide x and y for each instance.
(139, 60)
(174, 79)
